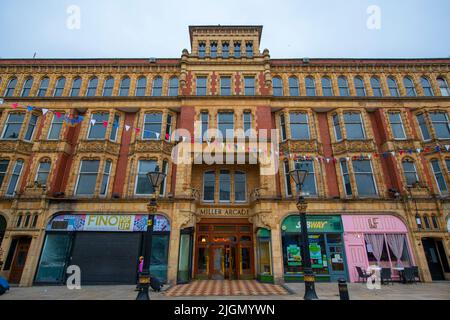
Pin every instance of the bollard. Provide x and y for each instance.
(343, 289)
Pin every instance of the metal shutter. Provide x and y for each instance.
(107, 258)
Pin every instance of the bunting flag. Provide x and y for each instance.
(44, 111)
(2, 101)
(127, 128)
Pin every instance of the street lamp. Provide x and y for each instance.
(299, 176)
(155, 178)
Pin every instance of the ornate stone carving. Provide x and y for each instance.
(95, 146)
(16, 146)
(309, 146)
(151, 146)
(345, 146)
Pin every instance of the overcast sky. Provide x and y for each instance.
(292, 28)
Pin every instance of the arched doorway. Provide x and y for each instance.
(2, 229)
(436, 257)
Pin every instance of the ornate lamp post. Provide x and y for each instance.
(155, 178)
(299, 175)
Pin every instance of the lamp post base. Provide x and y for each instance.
(144, 284)
(310, 288)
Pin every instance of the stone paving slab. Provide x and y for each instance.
(326, 291)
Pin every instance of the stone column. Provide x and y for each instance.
(277, 255)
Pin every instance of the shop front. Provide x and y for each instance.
(380, 240)
(105, 247)
(224, 249)
(325, 244)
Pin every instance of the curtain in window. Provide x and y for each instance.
(396, 243)
(377, 243)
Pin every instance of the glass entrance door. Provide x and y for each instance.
(336, 257)
(217, 263)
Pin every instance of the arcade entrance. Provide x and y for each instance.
(224, 250)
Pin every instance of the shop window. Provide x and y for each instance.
(55, 128)
(213, 48)
(409, 87)
(201, 86)
(376, 87)
(43, 172)
(354, 126)
(224, 186)
(240, 186)
(3, 169)
(225, 50)
(76, 86)
(13, 126)
(115, 128)
(209, 183)
(441, 125)
(225, 86)
(185, 256)
(249, 86)
(409, 169)
(393, 87)
(159, 256)
(443, 86)
(360, 87)
(11, 87)
(108, 87)
(310, 87)
(277, 85)
(31, 127)
(15, 176)
(143, 185)
(124, 89)
(398, 131)
(423, 127)
(87, 177)
(152, 126)
(287, 178)
(377, 251)
(337, 127)
(59, 88)
(225, 124)
(438, 176)
(365, 182)
(141, 86)
(426, 86)
(343, 87)
(418, 222)
(346, 178)
(283, 127)
(157, 86)
(26, 89)
(52, 265)
(294, 90)
(204, 118)
(92, 87)
(98, 126)
(327, 87)
(309, 185)
(264, 252)
(173, 87)
(299, 125)
(105, 178)
(43, 87)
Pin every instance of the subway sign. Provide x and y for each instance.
(314, 224)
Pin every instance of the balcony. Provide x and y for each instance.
(344, 146)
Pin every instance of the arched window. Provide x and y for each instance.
(410, 172)
(27, 87)
(209, 186)
(237, 49)
(249, 49)
(59, 88)
(418, 222)
(43, 87)
(293, 87)
(240, 186)
(435, 222)
(310, 87)
(43, 172)
(426, 222)
(225, 49)
(108, 87)
(157, 87)
(124, 87)
(376, 87)
(213, 47)
(393, 87)
(11, 87)
(76, 85)
(173, 87)
(92, 87)
(277, 84)
(141, 86)
(409, 87)
(343, 86)
(299, 126)
(439, 176)
(426, 86)
(201, 49)
(360, 87)
(443, 86)
(327, 88)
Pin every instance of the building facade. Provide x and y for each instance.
(79, 135)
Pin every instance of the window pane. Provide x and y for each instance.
(239, 186)
(364, 178)
(224, 186)
(98, 130)
(309, 185)
(13, 125)
(152, 126)
(143, 185)
(209, 181)
(423, 127)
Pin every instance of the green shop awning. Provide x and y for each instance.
(314, 223)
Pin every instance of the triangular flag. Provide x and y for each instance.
(127, 127)
(393, 153)
(44, 111)
(167, 136)
(157, 135)
(105, 123)
(348, 158)
(369, 156)
(138, 130)
(2, 101)
(418, 150)
(29, 108)
(93, 121)
(447, 146)
(438, 148)
(14, 105)
(80, 119)
(58, 114)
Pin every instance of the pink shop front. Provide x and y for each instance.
(376, 240)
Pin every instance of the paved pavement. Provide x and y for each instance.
(329, 291)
